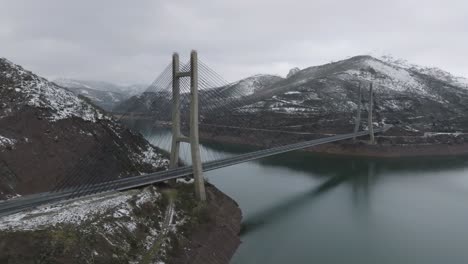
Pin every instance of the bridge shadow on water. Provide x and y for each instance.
(287, 206)
(360, 174)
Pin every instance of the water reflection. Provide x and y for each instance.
(360, 177)
(305, 208)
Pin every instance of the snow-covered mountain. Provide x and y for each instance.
(431, 71)
(47, 134)
(324, 98)
(102, 86)
(105, 99)
(103, 94)
(250, 85)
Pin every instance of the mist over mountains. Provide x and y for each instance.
(104, 94)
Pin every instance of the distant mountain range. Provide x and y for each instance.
(103, 94)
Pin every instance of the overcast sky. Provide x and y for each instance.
(132, 41)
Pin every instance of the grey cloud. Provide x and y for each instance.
(130, 41)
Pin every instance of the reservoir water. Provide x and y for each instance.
(304, 208)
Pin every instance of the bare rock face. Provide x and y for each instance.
(293, 71)
(49, 136)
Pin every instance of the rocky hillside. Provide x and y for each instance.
(324, 99)
(48, 135)
(103, 94)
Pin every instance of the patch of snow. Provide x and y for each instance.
(122, 212)
(292, 92)
(437, 73)
(250, 85)
(184, 181)
(75, 212)
(86, 133)
(401, 76)
(111, 95)
(411, 129)
(6, 142)
(433, 134)
(152, 157)
(13, 196)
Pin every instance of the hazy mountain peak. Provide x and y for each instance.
(101, 86)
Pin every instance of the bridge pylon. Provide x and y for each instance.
(177, 136)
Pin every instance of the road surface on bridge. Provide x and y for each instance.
(35, 200)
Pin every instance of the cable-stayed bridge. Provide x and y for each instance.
(196, 104)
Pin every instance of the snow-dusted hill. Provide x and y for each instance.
(105, 99)
(47, 134)
(127, 90)
(103, 94)
(159, 104)
(431, 71)
(324, 98)
(250, 85)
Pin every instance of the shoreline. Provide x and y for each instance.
(216, 240)
(361, 148)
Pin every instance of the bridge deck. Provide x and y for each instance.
(32, 201)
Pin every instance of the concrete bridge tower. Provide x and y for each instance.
(177, 136)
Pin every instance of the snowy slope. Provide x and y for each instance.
(251, 85)
(431, 71)
(35, 91)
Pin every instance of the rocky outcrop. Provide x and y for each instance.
(293, 71)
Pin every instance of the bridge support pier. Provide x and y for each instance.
(357, 120)
(194, 135)
(175, 147)
(370, 120)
